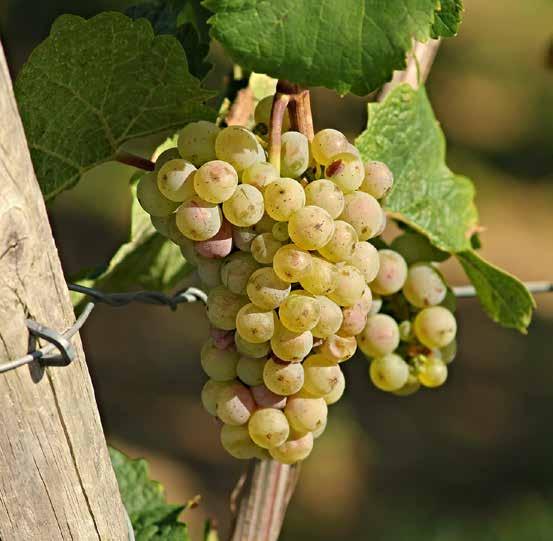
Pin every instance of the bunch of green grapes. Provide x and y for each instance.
(410, 334)
(286, 258)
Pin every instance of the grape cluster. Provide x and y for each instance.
(287, 262)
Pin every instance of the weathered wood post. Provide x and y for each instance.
(56, 479)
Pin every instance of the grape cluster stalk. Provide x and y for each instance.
(295, 283)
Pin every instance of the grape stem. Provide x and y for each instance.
(135, 161)
(280, 104)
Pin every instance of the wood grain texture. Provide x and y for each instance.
(56, 479)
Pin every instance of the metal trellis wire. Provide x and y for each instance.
(60, 352)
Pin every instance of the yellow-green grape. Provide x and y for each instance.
(250, 370)
(346, 171)
(218, 364)
(245, 207)
(330, 318)
(294, 154)
(280, 231)
(268, 427)
(305, 413)
(265, 398)
(165, 156)
(424, 286)
(433, 372)
(411, 386)
(236, 270)
(380, 336)
(266, 290)
(321, 375)
(435, 327)
(210, 392)
(283, 378)
(311, 227)
(199, 220)
(151, 199)
(338, 348)
(265, 225)
(239, 147)
(325, 194)
(378, 179)
(255, 324)
(242, 237)
(264, 247)
(299, 312)
(282, 198)
(406, 333)
(259, 175)
(162, 224)
(236, 441)
(376, 305)
(175, 180)
(322, 278)
(326, 144)
(449, 352)
(364, 213)
(209, 271)
(223, 306)
(350, 286)
(235, 404)
(257, 351)
(262, 116)
(389, 372)
(366, 300)
(188, 250)
(341, 245)
(319, 431)
(215, 181)
(295, 449)
(392, 273)
(355, 319)
(365, 259)
(291, 346)
(291, 263)
(196, 142)
(333, 396)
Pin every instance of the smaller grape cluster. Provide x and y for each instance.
(410, 334)
(290, 272)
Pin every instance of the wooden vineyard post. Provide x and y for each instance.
(56, 479)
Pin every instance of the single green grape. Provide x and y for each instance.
(196, 142)
(389, 372)
(311, 227)
(435, 327)
(151, 199)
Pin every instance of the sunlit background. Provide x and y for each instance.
(472, 460)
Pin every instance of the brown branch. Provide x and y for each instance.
(419, 62)
(135, 161)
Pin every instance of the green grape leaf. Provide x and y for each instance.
(93, 85)
(504, 298)
(184, 19)
(348, 45)
(403, 132)
(147, 261)
(448, 19)
(152, 518)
